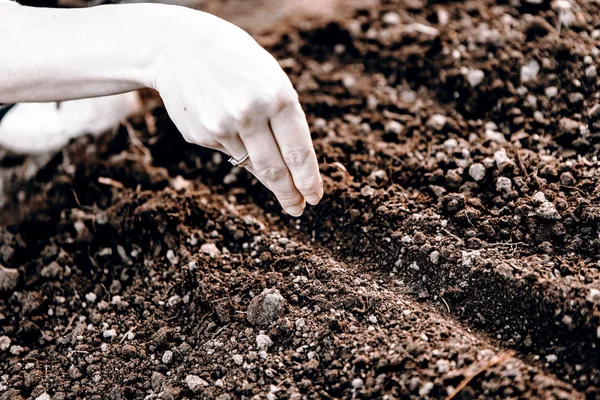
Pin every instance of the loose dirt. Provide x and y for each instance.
(455, 255)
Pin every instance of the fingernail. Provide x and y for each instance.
(313, 199)
(295, 211)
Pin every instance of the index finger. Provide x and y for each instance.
(292, 134)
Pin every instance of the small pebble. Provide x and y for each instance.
(394, 127)
(477, 172)
(9, 278)
(503, 184)
(4, 343)
(167, 357)
(210, 249)
(501, 159)
(109, 334)
(195, 383)
(357, 383)
(539, 198)
(265, 308)
(551, 358)
(551, 91)
(593, 297)
(591, 72)
(530, 71)
(548, 211)
(90, 297)
(391, 18)
(237, 359)
(263, 342)
(437, 122)
(475, 77)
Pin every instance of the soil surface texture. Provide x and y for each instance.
(456, 253)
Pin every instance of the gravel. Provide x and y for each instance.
(265, 308)
(501, 159)
(548, 211)
(263, 342)
(167, 357)
(394, 127)
(195, 383)
(109, 334)
(477, 171)
(9, 278)
(91, 297)
(475, 77)
(503, 184)
(539, 198)
(529, 71)
(238, 359)
(4, 343)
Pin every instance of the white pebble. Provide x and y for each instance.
(475, 77)
(539, 198)
(237, 359)
(263, 342)
(551, 91)
(109, 334)
(391, 18)
(4, 343)
(91, 297)
(477, 171)
(393, 127)
(501, 159)
(195, 383)
(503, 184)
(593, 296)
(591, 72)
(357, 383)
(167, 357)
(530, 71)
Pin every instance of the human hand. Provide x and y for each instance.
(225, 92)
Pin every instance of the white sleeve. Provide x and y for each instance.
(8, 2)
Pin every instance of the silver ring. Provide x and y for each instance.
(238, 163)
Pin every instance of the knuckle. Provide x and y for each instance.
(289, 199)
(272, 173)
(298, 158)
(309, 185)
(285, 98)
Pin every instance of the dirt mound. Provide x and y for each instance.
(456, 252)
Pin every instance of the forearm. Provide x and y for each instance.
(54, 54)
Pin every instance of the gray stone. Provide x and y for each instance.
(9, 278)
(265, 308)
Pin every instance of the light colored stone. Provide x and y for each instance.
(475, 77)
(477, 172)
(548, 211)
(529, 71)
(263, 342)
(265, 308)
(195, 383)
(4, 343)
(9, 278)
(503, 184)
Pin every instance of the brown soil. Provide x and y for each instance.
(410, 280)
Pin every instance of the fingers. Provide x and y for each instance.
(293, 138)
(269, 167)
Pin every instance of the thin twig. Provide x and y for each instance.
(447, 306)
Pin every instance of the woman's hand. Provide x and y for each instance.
(225, 92)
(220, 87)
